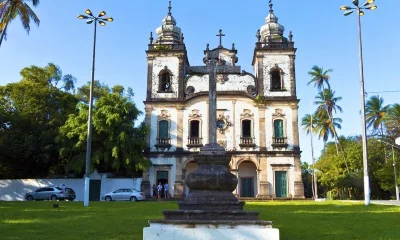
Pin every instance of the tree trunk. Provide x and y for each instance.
(334, 133)
(3, 32)
(314, 180)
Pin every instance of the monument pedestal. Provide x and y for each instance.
(210, 230)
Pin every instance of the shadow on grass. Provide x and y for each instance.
(126, 220)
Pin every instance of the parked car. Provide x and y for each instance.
(51, 193)
(124, 194)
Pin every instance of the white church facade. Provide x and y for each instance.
(257, 113)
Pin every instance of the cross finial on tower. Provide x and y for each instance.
(220, 35)
(169, 8)
(270, 6)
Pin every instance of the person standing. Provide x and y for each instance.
(166, 188)
(159, 188)
(154, 191)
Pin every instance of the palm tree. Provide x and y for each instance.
(10, 9)
(327, 101)
(393, 121)
(319, 77)
(376, 113)
(308, 127)
(325, 126)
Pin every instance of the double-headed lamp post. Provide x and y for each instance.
(394, 166)
(101, 19)
(360, 11)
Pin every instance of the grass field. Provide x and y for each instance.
(125, 220)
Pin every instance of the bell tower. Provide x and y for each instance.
(166, 58)
(273, 59)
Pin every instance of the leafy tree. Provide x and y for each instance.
(31, 111)
(10, 9)
(393, 122)
(117, 145)
(306, 174)
(349, 185)
(376, 113)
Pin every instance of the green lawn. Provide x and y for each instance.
(125, 220)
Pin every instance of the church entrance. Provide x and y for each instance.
(162, 177)
(247, 179)
(247, 187)
(281, 184)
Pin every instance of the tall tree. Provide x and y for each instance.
(376, 113)
(327, 101)
(320, 78)
(32, 110)
(117, 145)
(393, 122)
(308, 126)
(10, 9)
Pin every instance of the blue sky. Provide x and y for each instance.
(322, 35)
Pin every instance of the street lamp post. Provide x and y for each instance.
(394, 168)
(359, 9)
(101, 19)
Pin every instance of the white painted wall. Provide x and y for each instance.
(268, 63)
(233, 82)
(172, 63)
(154, 127)
(288, 127)
(15, 189)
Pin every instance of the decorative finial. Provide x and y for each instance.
(258, 35)
(233, 46)
(208, 47)
(182, 38)
(290, 36)
(151, 38)
(169, 8)
(270, 6)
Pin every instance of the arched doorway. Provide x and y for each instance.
(190, 167)
(247, 179)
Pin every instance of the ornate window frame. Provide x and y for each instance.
(276, 68)
(160, 79)
(195, 116)
(248, 142)
(163, 143)
(281, 142)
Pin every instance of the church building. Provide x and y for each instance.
(257, 113)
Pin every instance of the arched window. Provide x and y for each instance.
(276, 81)
(165, 80)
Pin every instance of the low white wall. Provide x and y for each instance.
(14, 190)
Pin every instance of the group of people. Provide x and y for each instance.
(160, 190)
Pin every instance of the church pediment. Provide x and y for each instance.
(244, 82)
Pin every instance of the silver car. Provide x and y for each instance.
(50, 193)
(124, 194)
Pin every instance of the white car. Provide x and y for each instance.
(124, 194)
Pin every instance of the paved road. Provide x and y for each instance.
(386, 202)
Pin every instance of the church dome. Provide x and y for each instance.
(168, 32)
(272, 29)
